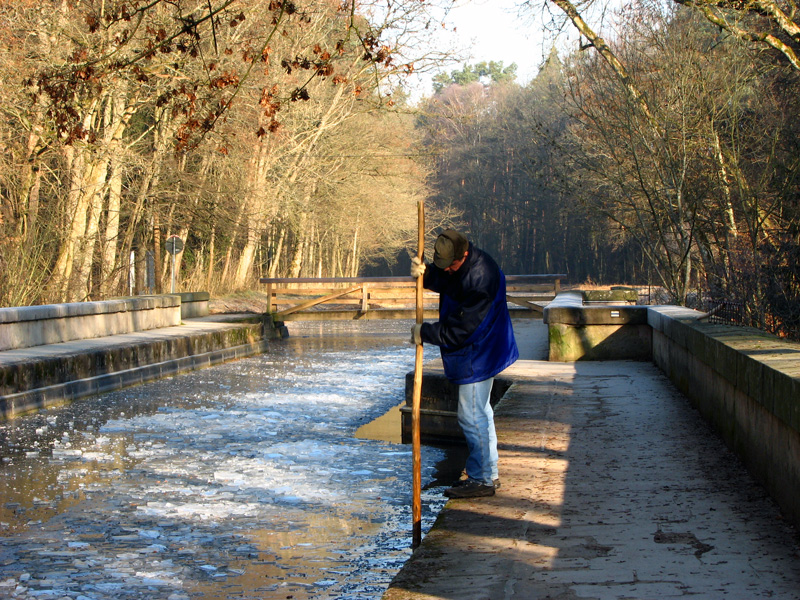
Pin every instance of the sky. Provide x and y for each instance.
(497, 33)
(492, 30)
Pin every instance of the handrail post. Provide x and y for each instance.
(365, 297)
(269, 298)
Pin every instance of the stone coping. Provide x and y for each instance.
(79, 309)
(569, 308)
(193, 296)
(28, 326)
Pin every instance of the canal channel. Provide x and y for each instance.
(269, 477)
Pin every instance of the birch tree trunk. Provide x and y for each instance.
(32, 177)
(75, 224)
(354, 257)
(210, 267)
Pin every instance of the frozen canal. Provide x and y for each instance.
(251, 479)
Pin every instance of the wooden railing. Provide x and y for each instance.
(337, 298)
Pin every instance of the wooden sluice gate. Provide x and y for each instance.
(352, 298)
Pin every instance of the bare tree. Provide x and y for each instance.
(206, 120)
(768, 23)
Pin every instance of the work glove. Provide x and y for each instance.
(417, 267)
(416, 334)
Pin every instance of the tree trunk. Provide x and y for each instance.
(354, 258)
(210, 267)
(246, 258)
(32, 177)
(277, 255)
(301, 236)
(108, 262)
(62, 268)
(82, 274)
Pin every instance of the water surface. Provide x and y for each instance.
(253, 479)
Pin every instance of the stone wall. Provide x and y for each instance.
(745, 382)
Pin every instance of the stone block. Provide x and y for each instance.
(749, 375)
(626, 295)
(696, 341)
(726, 362)
(785, 405)
(194, 304)
(655, 320)
(673, 329)
(794, 395)
(439, 406)
(569, 343)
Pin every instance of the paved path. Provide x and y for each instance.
(613, 487)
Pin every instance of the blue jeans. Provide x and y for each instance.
(476, 418)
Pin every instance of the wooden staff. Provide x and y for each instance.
(416, 507)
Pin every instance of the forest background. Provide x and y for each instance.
(276, 139)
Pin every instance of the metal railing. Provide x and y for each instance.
(726, 312)
(731, 312)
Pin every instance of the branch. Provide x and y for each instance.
(712, 11)
(611, 58)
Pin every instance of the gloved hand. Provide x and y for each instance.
(416, 334)
(417, 267)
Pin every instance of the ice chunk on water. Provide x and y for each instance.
(150, 534)
(66, 453)
(235, 478)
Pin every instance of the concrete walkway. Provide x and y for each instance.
(612, 487)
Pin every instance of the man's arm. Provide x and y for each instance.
(455, 329)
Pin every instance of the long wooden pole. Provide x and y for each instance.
(416, 451)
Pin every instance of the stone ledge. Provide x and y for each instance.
(79, 309)
(194, 304)
(439, 405)
(29, 326)
(746, 384)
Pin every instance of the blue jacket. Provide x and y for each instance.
(474, 329)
